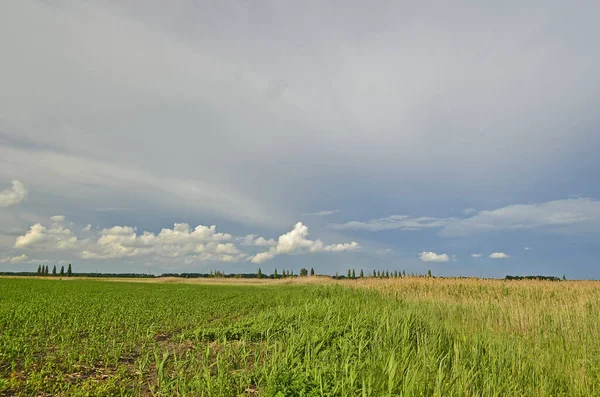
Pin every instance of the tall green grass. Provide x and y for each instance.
(102, 338)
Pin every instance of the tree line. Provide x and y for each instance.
(43, 271)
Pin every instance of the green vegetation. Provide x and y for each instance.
(368, 337)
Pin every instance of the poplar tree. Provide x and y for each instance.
(39, 270)
(54, 270)
(62, 271)
(349, 274)
(353, 274)
(275, 273)
(69, 272)
(259, 274)
(362, 275)
(312, 271)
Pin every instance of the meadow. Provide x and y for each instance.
(309, 337)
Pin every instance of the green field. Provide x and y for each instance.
(401, 338)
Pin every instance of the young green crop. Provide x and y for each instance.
(108, 338)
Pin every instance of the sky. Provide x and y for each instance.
(456, 137)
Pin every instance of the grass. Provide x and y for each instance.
(406, 337)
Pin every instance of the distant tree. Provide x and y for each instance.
(395, 273)
(374, 273)
(303, 272)
(336, 275)
(312, 271)
(403, 273)
(69, 272)
(353, 274)
(62, 271)
(564, 278)
(259, 274)
(387, 274)
(39, 270)
(292, 273)
(275, 273)
(429, 273)
(46, 271)
(362, 274)
(54, 270)
(378, 274)
(349, 273)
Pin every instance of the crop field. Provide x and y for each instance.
(400, 337)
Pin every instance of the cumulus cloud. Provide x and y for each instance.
(498, 255)
(527, 248)
(476, 255)
(296, 242)
(56, 237)
(402, 222)
(182, 244)
(252, 240)
(469, 211)
(13, 195)
(427, 256)
(320, 213)
(198, 244)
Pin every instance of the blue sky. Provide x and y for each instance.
(387, 135)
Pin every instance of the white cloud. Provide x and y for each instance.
(320, 213)
(469, 211)
(199, 243)
(13, 195)
(426, 256)
(527, 248)
(498, 255)
(182, 244)
(476, 255)
(53, 238)
(251, 239)
(296, 242)
(87, 228)
(402, 222)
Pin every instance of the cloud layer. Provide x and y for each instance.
(401, 222)
(568, 215)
